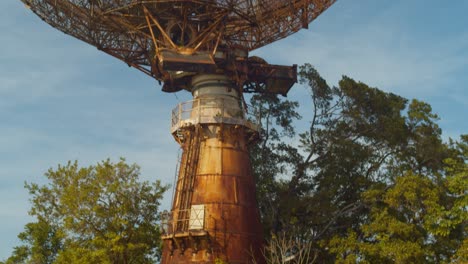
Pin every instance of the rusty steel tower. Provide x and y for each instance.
(201, 46)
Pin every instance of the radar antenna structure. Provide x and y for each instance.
(165, 38)
(201, 46)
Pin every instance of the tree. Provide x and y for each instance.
(97, 214)
(286, 249)
(370, 180)
(416, 219)
(365, 155)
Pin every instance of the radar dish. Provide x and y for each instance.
(147, 34)
(201, 46)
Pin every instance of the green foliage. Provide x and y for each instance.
(219, 261)
(370, 180)
(414, 220)
(97, 214)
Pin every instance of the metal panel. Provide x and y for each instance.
(197, 217)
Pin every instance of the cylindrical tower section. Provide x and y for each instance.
(214, 213)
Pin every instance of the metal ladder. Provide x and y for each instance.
(189, 170)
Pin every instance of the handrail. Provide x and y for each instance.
(181, 221)
(212, 111)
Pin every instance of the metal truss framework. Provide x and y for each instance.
(165, 37)
(202, 46)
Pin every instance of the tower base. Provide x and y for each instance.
(214, 215)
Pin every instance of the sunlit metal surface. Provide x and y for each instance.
(203, 47)
(200, 111)
(197, 32)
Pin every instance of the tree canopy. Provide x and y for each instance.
(95, 214)
(369, 181)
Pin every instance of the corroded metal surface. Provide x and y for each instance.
(223, 183)
(214, 213)
(181, 42)
(122, 24)
(164, 37)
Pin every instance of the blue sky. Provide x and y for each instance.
(61, 99)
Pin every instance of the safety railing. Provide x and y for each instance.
(212, 111)
(180, 222)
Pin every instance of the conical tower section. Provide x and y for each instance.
(201, 46)
(214, 214)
